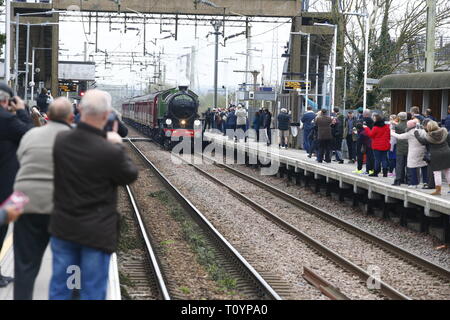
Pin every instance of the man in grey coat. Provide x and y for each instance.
(35, 179)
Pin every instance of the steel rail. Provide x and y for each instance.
(149, 249)
(248, 269)
(348, 226)
(385, 288)
(323, 285)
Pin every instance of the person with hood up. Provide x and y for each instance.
(416, 154)
(438, 140)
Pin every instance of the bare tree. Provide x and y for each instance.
(395, 26)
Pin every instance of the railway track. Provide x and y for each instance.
(429, 268)
(145, 274)
(440, 274)
(349, 227)
(250, 280)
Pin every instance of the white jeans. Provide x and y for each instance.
(438, 176)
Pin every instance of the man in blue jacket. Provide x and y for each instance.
(307, 121)
(231, 123)
(14, 123)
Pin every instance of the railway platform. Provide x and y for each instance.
(41, 287)
(340, 179)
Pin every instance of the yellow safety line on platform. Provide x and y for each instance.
(7, 244)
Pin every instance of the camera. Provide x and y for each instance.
(12, 100)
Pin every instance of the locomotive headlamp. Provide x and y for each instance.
(168, 122)
(183, 122)
(197, 123)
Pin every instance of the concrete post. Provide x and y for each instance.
(431, 35)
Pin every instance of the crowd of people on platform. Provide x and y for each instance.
(409, 146)
(235, 119)
(66, 172)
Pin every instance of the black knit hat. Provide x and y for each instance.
(5, 88)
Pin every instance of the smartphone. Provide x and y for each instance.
(17, 199)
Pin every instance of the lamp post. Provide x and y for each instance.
(33, 84)
(308, 50)
(365, 15)
(333, 84)
(217, 25)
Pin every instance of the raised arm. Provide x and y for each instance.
(420, 139)
(402, 136)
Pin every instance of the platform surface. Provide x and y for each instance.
(343, 173)
(41, 286)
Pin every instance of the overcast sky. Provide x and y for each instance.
(268, 37)
(72, 38)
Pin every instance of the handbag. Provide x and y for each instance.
(363, 149)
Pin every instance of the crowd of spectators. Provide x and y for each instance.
(410, 146)
(69, 172)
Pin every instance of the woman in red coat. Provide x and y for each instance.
(381, 144)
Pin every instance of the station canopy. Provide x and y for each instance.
(416, 81)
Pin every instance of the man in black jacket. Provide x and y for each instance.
(89, 166)
(267, 125)
(43, 101)
(14, 123)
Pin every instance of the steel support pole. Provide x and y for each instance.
(345, 88)
(226, 96)
(333, 84)
(216, 68)
(216, 25)
(317, 80)
(308, 50)
(366, 60)
(27, 60)
(16, 81)
(33, 56)
(247, 57)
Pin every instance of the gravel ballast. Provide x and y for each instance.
(407, 278)
(187, 279)
(421, 244)
(267, 247)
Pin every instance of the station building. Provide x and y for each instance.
(424, 90)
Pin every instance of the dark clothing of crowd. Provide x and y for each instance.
(12, 128)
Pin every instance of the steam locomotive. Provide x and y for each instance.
(165, 114)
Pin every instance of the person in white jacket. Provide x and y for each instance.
(241, 122)
(416, 154)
